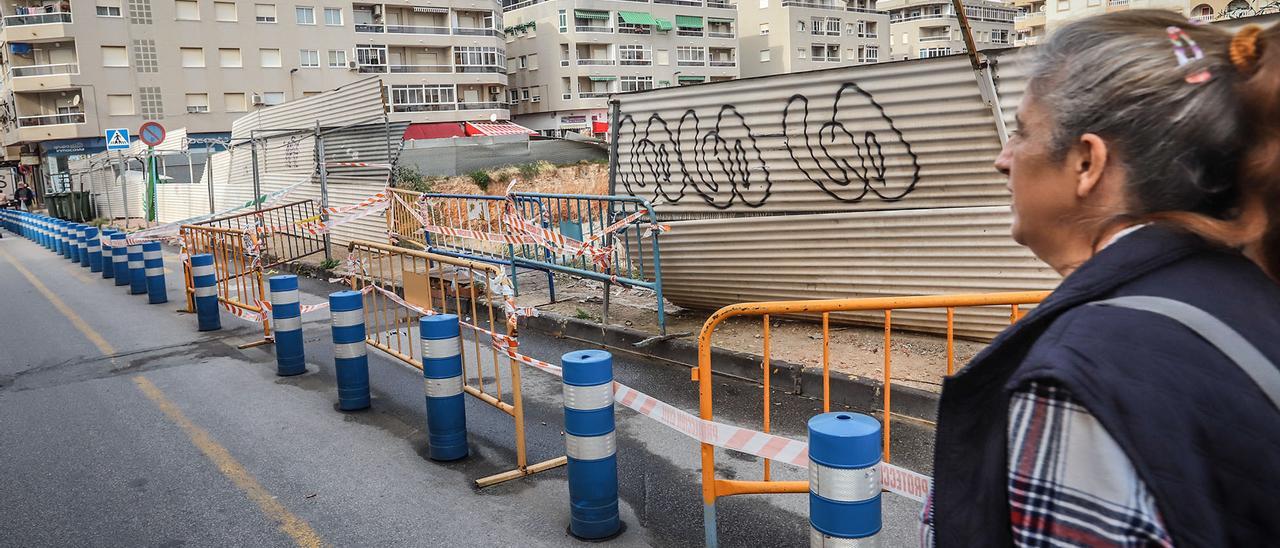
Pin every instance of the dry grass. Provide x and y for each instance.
(586, 178)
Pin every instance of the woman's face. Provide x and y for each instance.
(1044, 188)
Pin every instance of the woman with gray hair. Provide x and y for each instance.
(1138, 405)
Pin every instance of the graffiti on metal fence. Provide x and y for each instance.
(723, 163)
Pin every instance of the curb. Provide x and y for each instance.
(861, 393)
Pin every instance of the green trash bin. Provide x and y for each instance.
(56, 202)
(81, 206)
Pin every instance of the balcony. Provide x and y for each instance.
(479, 69)
(418, 69)
(44, 70)
(406, 29)
(42, 77)
(51, 119)
(595, 62)
(690, 3)
(935, 38)
(475, 31)
(593, 95)
(1112, 5)
(593, 28)
(429, 107)
(37, 19)
(36, 27)
(635, 62)
(481, 106)
(634, 29)
(697, 33)
(370, 27)
(691, 63)
(724, 63)
(1029, 20)
(721, 4)
(712, 34)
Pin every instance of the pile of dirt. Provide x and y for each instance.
(580, 178)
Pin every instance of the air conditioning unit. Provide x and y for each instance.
(257, 100)
(377, 10)
(352, 65)
(495, 90)
(536, 99)
(197, 109)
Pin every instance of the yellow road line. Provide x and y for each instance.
(301, 533)
(62, 307)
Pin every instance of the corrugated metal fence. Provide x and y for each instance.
(862, 181)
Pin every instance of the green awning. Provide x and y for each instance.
(683, 78)
(591, 14)
(663, 24)
(688, 22)
(636, 18)
(718, 20)
(602, 78)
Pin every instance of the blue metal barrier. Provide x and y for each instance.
(442, 374)
(286, 321)
(590, 444)
(844, 484)
(205, 281)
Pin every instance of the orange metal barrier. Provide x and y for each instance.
(713, 487)
(284, 240)
(237, 268)
(445, 285)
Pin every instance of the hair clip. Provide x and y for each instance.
(1181, 44)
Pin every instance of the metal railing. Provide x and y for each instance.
(592, 28)
(595, 62)
(51, 119)
(691, 63)
(634, 29)
(721, 5)
(473, 69)
(714, 487)
(475, 31)
(240, 285)
(488, 105)
(285, 240)
(432, 107)
(729, 63)
(44, 70)
(441, 284)
(420, 69)
(470, 227)
(713, 34)
(409, 29)
(690, 3)
(593, 94)
(37, 19)
(370, 27)
(690, 32)
(635, 62)
(935, 38)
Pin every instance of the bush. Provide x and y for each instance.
(529, 171)
(409, 178)
(481, 179)
(329, 264)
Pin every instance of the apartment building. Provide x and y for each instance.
(564, 58)
(72, 68)
(1030, 22)
(780, 36)
(921, 29)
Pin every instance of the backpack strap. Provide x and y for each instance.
(1227, 340)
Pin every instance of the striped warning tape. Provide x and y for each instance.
(357, 164)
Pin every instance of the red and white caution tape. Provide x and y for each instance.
(357, 164)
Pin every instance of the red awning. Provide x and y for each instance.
(497, 128)
(599, 127)
(439, 130)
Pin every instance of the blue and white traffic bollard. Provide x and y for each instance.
(120, 258)
(68, 240)
(844, 480)
(60, 230)
(590, 444)
(153, 267)
(442, 378)
(137, 270)
(81, 256)
(351, 361)
(286, 318)
(94, 244)
(204, 279)
(108, 262)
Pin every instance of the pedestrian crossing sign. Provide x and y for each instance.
(117, 139)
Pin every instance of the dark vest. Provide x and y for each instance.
(1200, 434)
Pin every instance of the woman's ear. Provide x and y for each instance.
(1089, 160)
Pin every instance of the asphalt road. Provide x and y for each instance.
(121, 425)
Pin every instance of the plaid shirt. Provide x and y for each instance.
(1070, 484)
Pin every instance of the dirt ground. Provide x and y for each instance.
(584, 178)
(917, 360)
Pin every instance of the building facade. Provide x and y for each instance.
(73, 68)
(920, 29)
(565, 58)
(781, 36)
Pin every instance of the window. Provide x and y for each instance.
(866, 29)
(824, 26)
(197, 103)
(422, 97)
(264, 13)
(868, 54)
(799, 26)
(515, 95)
(764, 4)
(110, 8)
(523, 62)
(801, 53)
(187, 10)
(306, 15)
(337, 58)
(192, 57)
(115, 56)
(765, 56)
(692, 56)
(926, 53)
(225, 11)
(272, 98)
(1000, 36)
(764, 29)
(478, 56)
(229, 58)
(333, 17)
(636, 83)
(564, 21)
(234, 102)
(824, 52)
(120, 105)
(308, 58)
(633, 54)
(524, 94)
(1064, 5)
(270, 58)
